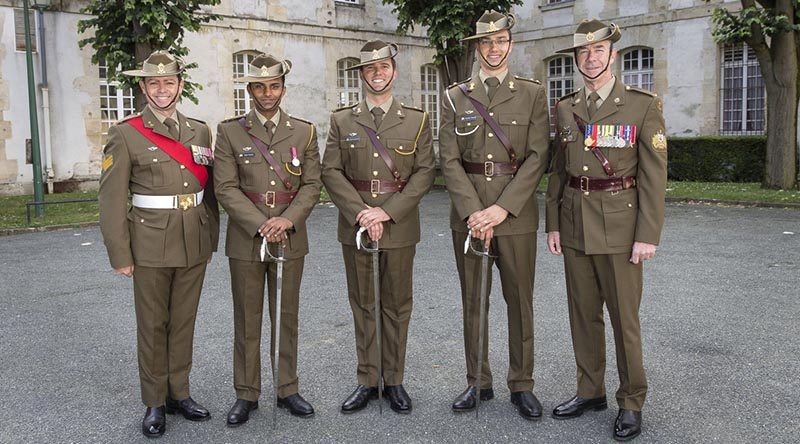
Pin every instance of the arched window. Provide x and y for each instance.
(348, 82)
(241, 98)
(743, 95)
(115, 102)
(637, 68)
(429, 75)
(560, 81)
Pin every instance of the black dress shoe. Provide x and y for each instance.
(359, 398)
(189, 408)
(240, 412)
(466, 401)
(399, 400)
(628, 425)
(527, 405)
(154, 422)
(577, 405)
(297, 405)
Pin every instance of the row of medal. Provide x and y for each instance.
(202, 155)
(610, 136)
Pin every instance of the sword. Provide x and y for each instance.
(376, 284)
(484, 254)
(276, 321)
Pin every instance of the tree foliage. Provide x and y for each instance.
(769, 28)
(127, 31)
(447, 22)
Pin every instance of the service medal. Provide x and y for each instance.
(295, 160)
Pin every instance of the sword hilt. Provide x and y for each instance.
(267, 256)
(469, 245)
(370, 246)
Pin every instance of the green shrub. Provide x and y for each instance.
(717, 159)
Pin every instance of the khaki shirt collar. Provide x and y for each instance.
(483, 76)
(604, 91)
(161, 118)
(276, 119)
(385, 106)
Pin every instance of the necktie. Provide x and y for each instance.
(269, 125)
(593, 98)
(493, 83)
(377, 114)
(172, 127)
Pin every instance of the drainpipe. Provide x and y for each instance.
(45, 105)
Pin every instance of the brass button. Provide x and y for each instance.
(491, 114)
(489, 156)
(488, 179)
(352, 145)
(186, 184)
(155, 160)
(491, 135)
(247, 161)
(273, 169)
(374, 173)
(585, 168)
(374, 154)
(377, 137)
(183, 167)
(141, 220)
(469, 124)
(630, 205)
(272, 182)
(586, 148)
(272, 151)
(585, 193)
(513, 122)
(400, 147)
(374, 195)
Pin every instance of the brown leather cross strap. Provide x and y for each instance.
(498, 131)
(387, 159)
(377, 186)
(271, 198)
(596, 150)
(589, 184)
(490, 168)
(264, 150)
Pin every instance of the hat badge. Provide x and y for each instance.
(375, 54)
(264, 71)
(161, 69)
(590, 37)
(492, 27)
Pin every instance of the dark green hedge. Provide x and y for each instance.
(717, 159)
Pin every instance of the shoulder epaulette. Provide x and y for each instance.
(468, 79)
(231, 119)
(640, 90)
(300, 119)
(351, 106)
(197, 120)
(129, 117)
(411, 107)
(528, 79)
(568, 95)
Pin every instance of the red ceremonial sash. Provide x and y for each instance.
(174, 149)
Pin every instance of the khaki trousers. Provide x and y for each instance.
(593, 280)
(166, 306)
(247, 284)
(396, 269)
(516, 261)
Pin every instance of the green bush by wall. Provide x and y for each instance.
(717, 159)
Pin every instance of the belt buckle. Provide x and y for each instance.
(584, 185)
(186, 201)
(488, 168)
(269, 199)
(375, 186)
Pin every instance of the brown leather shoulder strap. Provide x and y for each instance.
(498, 131)
(387, 159)
(264, 150)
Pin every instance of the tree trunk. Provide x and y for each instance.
(781, 162)
(141, 51)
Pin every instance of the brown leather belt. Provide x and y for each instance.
(589, 184)
(377, 186)
(271, 198)
(490, 168)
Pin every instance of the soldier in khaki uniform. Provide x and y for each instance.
(268, 180)
(378, 185)
(605, 210)
(165, 239)
(492, 178)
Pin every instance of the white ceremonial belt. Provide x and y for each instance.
(182, 201)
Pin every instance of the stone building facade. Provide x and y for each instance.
(666, 46)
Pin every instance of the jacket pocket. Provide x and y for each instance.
(619, 216)
(148, 229)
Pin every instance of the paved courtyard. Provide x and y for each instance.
(720, 319)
